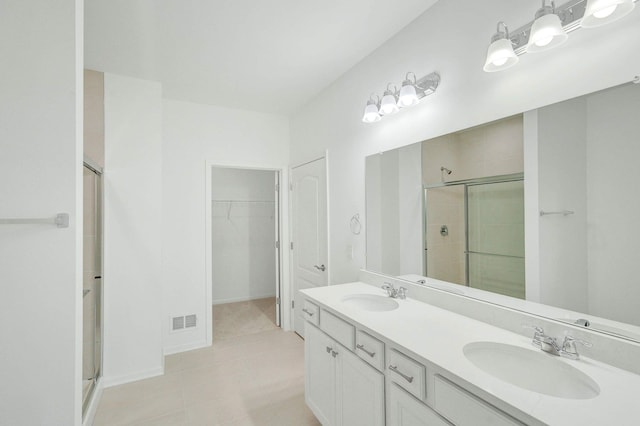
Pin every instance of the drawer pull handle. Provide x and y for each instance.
(334, 353)
(329, 349)
(361, 347)
(307, 312)
(394, 368)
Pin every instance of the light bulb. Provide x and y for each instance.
(408, 96)
(603, 13)
(543, 41)
(498, 62)
(371, 114)
(546, 31)
(500, 54)
(388, 105)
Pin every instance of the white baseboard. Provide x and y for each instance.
(242, 298)
(90, 415)
(128, 378)
(171, 350)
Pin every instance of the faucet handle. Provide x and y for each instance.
(388, 287)
(538, 336)
(569, 347)
(402, 292)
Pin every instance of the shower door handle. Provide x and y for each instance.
(320, 268)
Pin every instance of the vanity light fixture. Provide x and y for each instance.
(411, 92)
(551, 28)
(546, 31)
(601, 12)
(500, 55)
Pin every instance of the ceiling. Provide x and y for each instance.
(261, 55)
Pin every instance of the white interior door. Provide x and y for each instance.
(309, 233)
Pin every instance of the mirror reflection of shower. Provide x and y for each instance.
(482, 244)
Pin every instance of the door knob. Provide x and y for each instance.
(320, 268)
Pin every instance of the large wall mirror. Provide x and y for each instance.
(538, 211)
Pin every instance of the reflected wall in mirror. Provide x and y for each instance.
(459, 210)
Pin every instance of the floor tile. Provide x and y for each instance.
(252, 375)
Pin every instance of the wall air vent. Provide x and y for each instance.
(190, 321)
(182, 323)
(177, 323)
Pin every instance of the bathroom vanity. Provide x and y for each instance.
(375, 360)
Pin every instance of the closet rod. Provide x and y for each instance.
(61, 220)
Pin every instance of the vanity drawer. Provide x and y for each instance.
(370, 349)
(339, 329)
(449, 397)
(407, 373)
(311, 312)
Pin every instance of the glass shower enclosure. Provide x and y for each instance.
(92, 281)
(474, 233)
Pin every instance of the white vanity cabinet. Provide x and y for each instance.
(405, 410)
(340, 388)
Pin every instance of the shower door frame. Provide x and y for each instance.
(98, 355)
(514, 177)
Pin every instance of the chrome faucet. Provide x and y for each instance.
(550, 344)
(395, 293)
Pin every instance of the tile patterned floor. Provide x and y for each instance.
(251, 378)
(240, 318)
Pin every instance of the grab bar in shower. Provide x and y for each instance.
(563, 212)
(61, 220)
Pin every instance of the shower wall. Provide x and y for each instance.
(489, 150)
(243, 228)
(445, 253)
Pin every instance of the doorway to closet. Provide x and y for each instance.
(245, 254)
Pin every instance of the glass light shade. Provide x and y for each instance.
(371, 114)
(500, 56)
(602, 12)
(388, 105)
(408, 96)
(546, 33)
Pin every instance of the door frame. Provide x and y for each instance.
(291, 288)
(283, 227)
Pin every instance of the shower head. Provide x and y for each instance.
(444, 169)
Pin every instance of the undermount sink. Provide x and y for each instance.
(531, 369)
(371, 302)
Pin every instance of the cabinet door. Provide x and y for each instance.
(319, 375)
(360, 391)
(406, 410)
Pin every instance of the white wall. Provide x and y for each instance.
(562, 181)
(132, 229)
(613, 203)
(195, 137)
(410, 210)
(452, 38)
(40, 175)
(243, 229)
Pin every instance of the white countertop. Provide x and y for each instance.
(438, 336)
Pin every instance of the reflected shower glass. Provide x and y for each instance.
(495, 237)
